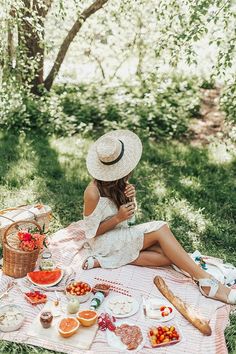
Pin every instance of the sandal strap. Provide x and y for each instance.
(232, 297)
(90, 262)
(212, 283)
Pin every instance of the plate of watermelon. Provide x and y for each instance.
(45, 278)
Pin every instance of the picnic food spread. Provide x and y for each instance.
(120, 335)
(64, 317)
(129, 335)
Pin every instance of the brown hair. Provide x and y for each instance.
(114, 190)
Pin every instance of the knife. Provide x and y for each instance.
(7, 291)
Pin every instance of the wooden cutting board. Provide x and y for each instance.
(82, 339)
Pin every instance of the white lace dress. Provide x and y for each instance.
(122, 244)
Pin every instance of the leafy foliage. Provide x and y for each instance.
(228, 101)
(161, 108)
(138, 37)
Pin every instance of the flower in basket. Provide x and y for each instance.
(31, 241)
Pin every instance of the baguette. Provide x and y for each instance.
(201, 324)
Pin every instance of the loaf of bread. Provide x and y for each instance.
(182, 307)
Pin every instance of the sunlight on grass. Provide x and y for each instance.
(14, 197)
(20, 172)
(194, 217)
(160, 189)
(221, 154)
(70, 146)
(190, 181)
(194, 237)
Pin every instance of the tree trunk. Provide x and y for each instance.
(98, 4)
(32, 42)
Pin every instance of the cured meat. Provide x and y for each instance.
(131, 336)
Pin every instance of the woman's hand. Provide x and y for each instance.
(130, 191)
(126, 211)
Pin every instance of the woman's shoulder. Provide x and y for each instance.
(91, 198)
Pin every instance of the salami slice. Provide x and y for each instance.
(131, 336)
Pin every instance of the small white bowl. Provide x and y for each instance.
(81, 298)
(11, 308)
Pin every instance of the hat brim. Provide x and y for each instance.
(129, 160)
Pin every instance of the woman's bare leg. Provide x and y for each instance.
(151, 259)
(178, 256)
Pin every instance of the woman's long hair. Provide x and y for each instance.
(114, 190)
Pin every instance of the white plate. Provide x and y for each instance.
(135, 306)
(114, 341)
(48, 285)
(161, 302)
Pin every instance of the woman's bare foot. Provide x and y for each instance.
(90, 263)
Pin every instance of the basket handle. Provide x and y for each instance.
(19, 222)
(17, 208)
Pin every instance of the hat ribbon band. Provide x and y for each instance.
(118, 158)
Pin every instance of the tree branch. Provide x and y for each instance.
(99, 64)
(98, 4)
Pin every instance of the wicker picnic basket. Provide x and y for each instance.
(16, 262)
(40, 213)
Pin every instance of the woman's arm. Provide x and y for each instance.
(91, 198)
(124, 213)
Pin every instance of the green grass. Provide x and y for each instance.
(192, 188)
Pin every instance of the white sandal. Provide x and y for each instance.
(213, 284)
(90, 263)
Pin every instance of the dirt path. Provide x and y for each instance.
(211, 120)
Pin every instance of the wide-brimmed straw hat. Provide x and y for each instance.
(114, 155)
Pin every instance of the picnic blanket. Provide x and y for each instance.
(137, 281)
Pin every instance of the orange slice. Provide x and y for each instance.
(68, 326)
(87, 317)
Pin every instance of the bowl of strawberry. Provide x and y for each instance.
(79, 289)
(35, 297)
(160, 336)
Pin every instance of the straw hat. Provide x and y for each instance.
(114, 155)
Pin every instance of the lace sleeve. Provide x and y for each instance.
(92, 221)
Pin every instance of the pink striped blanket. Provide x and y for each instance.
(137, 281)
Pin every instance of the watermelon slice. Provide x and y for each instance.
(45, 277)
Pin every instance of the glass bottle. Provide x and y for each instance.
(73, 305)
(46, 262)
(97, 300)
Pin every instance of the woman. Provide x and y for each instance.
(109, 205)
